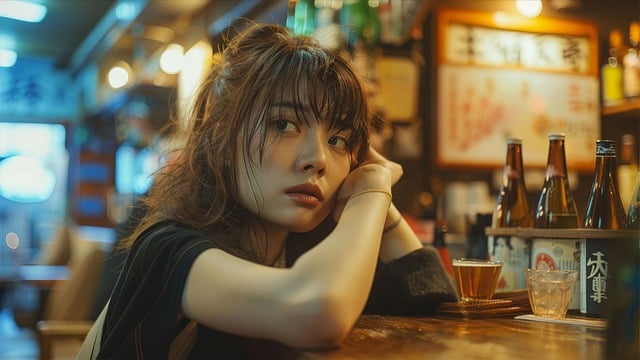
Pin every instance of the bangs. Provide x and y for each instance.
(318, 84)
(321, 87)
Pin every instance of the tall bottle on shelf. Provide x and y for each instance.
(556, 209)
(627, 169)
(612, 74)
(511, 210)
(301, 17)
(631, 63)
(604, 210)
(633, 211)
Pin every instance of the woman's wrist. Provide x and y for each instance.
(372, 191)
(398, 239)
(390, 226)
(393, 219)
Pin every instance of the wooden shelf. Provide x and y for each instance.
(621, 107)
(564, 233)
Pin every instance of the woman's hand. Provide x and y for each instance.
(377, 172)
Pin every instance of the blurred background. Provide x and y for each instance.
(85, 86)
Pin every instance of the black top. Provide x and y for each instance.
(144, 314)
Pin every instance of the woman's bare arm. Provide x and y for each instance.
(399, 239)
(313, 304)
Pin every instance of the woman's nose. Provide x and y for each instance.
(313, 156)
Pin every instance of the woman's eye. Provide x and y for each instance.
(285, 126)
(339, 142)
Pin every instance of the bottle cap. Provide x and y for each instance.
(634, 32)
(514, 140)
(605, 148)
(556, 136)
(615, 38)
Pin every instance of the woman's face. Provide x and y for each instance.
(304, 164)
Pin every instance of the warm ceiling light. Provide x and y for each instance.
(7, 58)
(529, 8)
(22, 10)
(119, 75)
(172, 58)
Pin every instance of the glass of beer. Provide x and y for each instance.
(476, 278)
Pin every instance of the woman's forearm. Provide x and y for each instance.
(399, 239)
(341, 268)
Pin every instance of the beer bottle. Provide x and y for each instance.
(511, 210)
(556, 207)
(512, 207)
(604, 208)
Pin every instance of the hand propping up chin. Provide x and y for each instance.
(376, 173)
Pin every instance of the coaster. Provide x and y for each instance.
(503, 304)
(598, 323)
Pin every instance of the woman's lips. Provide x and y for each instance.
(305, 194)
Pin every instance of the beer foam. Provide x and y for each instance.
(476, 263)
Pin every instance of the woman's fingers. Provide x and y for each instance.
(395, 169)
(376, 172)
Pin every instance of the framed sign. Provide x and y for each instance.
(501, 75)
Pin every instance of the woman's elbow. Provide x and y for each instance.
(325, 324)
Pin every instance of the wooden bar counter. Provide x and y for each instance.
(451, 337)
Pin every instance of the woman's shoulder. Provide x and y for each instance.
(172, 228)
(172, 237)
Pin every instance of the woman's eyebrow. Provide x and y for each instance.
(289, 104)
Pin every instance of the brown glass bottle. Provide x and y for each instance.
(556, 207)
(512, 207)
(511, 210)
(604, 208)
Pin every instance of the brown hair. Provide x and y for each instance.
(260, 67)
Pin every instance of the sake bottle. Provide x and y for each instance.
(604, 208)
(556, 207)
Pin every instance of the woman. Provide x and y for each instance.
(274, 222)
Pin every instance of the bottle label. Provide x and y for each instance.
(553, 171)
(558, 254)
(515, 254)
(605, 148)
(594, 275)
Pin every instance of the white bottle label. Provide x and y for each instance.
(558, 254)
(515, 255)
